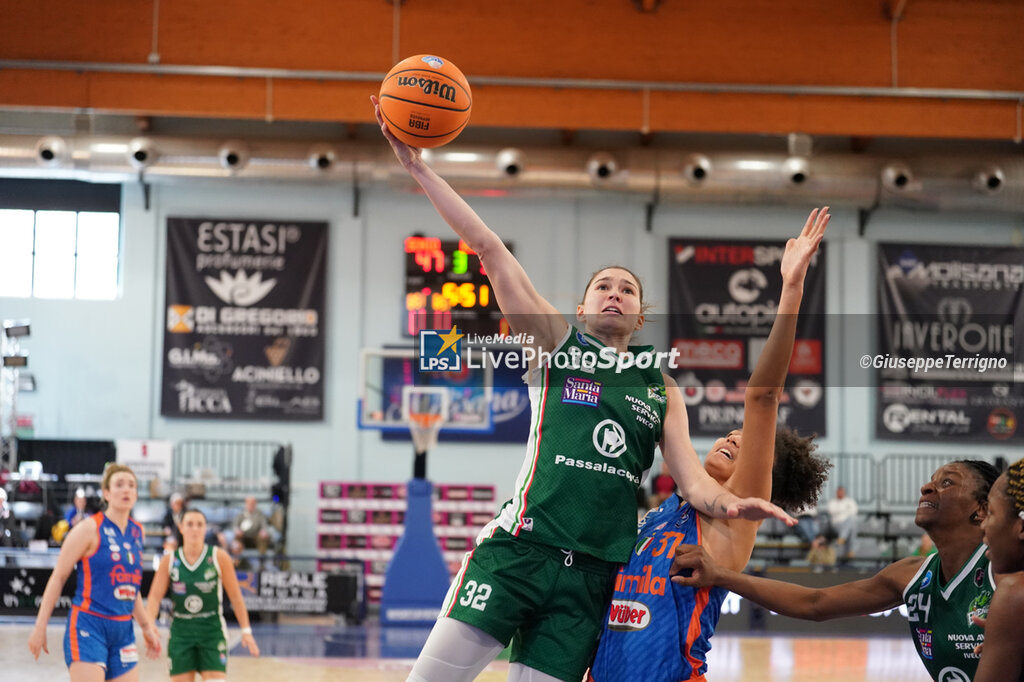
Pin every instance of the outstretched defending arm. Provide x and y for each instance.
(733, 541)
(753, 474)
(884, 590)
(695, 484)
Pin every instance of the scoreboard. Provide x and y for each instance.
(446, 285)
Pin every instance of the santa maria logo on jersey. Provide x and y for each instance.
(609, 439)
(580, 391)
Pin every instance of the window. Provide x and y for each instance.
(60, 240)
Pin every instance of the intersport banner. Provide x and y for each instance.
(947, 367)
(723, 296)
(243, 337)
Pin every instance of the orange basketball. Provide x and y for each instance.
(425, 101)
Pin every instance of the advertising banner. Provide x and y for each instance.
(244, 328)
(947, 366)
(723, 296)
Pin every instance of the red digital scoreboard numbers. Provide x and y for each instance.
(446, 285)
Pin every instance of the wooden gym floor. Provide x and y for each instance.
(373, 654)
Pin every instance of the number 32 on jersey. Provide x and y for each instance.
(475, 595)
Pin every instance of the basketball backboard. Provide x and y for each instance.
(385, 375)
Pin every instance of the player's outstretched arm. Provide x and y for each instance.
(526, 310)
(230, 578)
(695, 484)
(753, 473)
(694, 567)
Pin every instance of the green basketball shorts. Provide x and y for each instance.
(206, 650)
(550, 603)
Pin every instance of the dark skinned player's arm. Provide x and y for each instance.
(884, 590)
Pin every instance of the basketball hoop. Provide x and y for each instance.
(425, 410)
(424, 428)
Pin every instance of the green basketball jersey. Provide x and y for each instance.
(940, 616)
(592, 437)
(196, 588)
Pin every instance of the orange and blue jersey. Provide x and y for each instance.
(110, 578)
(655, 629)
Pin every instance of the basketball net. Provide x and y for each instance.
(424, 427)
(425, 409)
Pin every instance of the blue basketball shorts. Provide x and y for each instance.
(106, 642)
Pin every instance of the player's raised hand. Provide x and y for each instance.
(797, 256)
(407, 155)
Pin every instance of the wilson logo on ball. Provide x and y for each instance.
(429, 87)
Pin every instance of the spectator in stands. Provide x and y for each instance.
(251, 527)
(806, 527)
(842, 514)
(238, 558)
(822, 554)
(78, 511)
(662, 487)
(172, 518)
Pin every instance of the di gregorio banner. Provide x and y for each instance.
(723, 297)
(243, 334)
(948, 366)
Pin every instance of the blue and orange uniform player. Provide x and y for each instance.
(656, 626)
(106, 549)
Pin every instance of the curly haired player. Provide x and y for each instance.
(668, 626)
